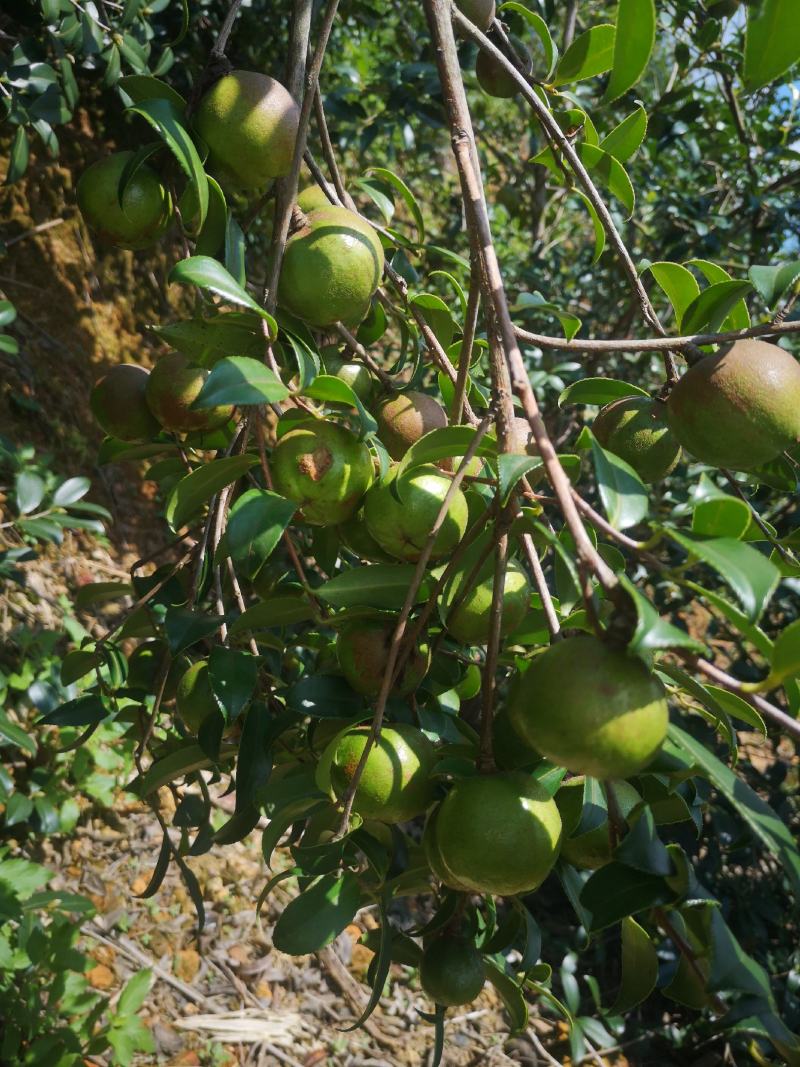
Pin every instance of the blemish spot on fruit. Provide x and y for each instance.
(315, 465)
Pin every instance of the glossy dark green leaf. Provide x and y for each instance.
(639, 968)
(622, 491)
(18, 157)
(633, 44)
(772, 42)
(183, 761)
(710, 309)
(610, 172)
(599, 391)
(83, 711)
(624, 140)
(275, 611)
(185, 628)
(206, 273)
(539, 27)
(206, 341)
(772, 282)
(243, 381)
(615, 892)
(382, 585)
(141, 87)
(590, 54)
(318, 915)
(511, 995)
(785, 655)
(324, 696)
(642, 849)
(679, 285)
(194, 490)
(166, 118)
(334, 390)
(652, 631)
(255, 526)
(510, 469)
(406, 196)
(30, 490)
(233, 674)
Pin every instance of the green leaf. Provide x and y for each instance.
(599, 391)
(141, 87)
(30, 490)
(318, 915)
(277, 611)
(135, 992)
(511, 995)
(437, 315)
(381, 585)
(12, 734)
(539, 27)
(785, 656)
(183, 761)
(772, 42)
(323, 696)
(233, 674)
(599, 228)
(643, 850)
(243, 381)
(167, 119)
(633, 44)
(255, 526)
(184, 627)
(234, 250)
(652, 632)
(772, 282)
(206, 341)
(333, 390)
(721, 516)
(610, 172)
(8, 313)
(639, 968)
(615, 892)
(406, 195)
(750, 575)
(444, 443)
(379, 969)
(735, 706)
(536, 302)
(739, 317)
(207, 273)
(590, 54)
(622, 491)
(191, 492)
(753, 633)
(758, 815)
(510, 469)
(710, 309)
(84, 711)
(679, 285)
(70, 491)
(624, 140)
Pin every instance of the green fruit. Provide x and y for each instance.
(404, 418)
(522, 440)
(325, 469)
(470, 621)
(195, 698)
(399, 515)
(634, 429)
(331, 268)
(118, 403)
(146, 209)
(313, 197)
(144, 666)
(497, 834)
(362, 648)
(592, 849)
(249, 122)
(493, 77)
(356, 375)
(452, 971)
(395, 785)
(591, 708)
(738, 408)
(481, 12)
(173, 386)
(355, 536)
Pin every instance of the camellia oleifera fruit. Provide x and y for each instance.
(493, 77)
(481, 12)
(356, 375)
(469, 621)
(355, 536)
(249, 122)
(362, 649)
(323, 468)
(495, 833)
(173, 386)
(118, 403)
(738, 408)
(145, 211)
(591, 708)
(404, 418)
(634, 428)
(400, 513)
(314, 197)
(591, 849)
(396, 784)
(331, 268)
(452, 971)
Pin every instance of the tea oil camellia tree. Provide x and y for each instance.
(429, 583)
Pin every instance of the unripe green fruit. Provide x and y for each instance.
(173, 386)
(195, 698)
(452, 971)
(146, 209)
(481, 12)
(591, 708)
(118, 403)
(323, 468)
(400, 515)
(353, 534)
(144, 665)
(404, 418)
(470, 621)
(356, 375)
(313, 197)
(592, 849)
(395, 785)
(497, 834)
(249, 122)
(634, 429)
(331, 268)
(362, 648)
(493, 77)
(738, 408)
